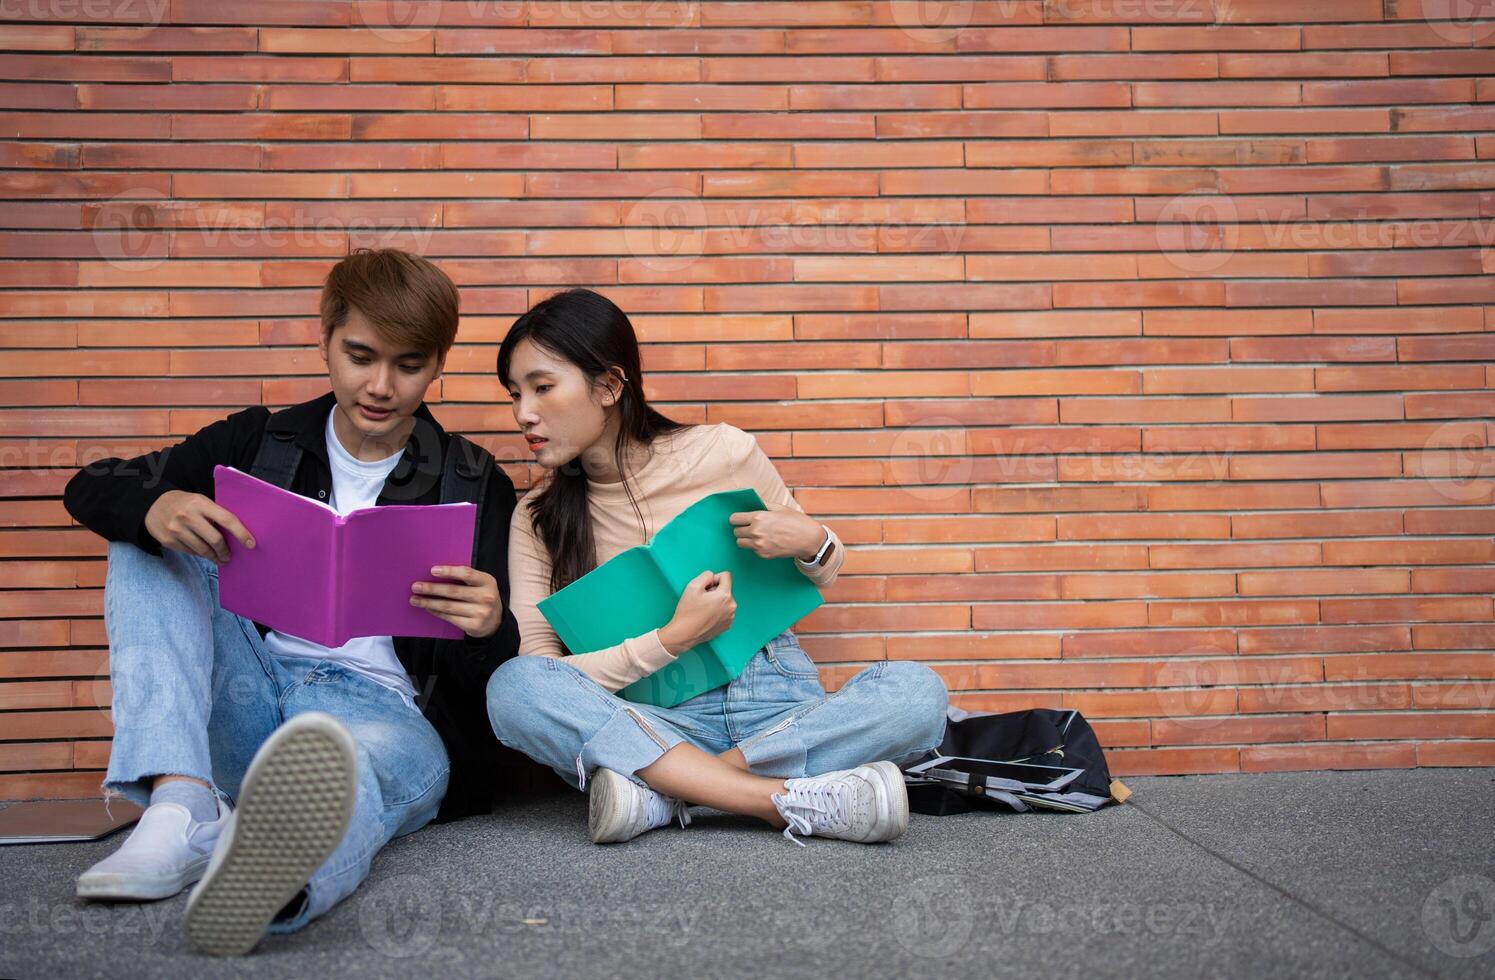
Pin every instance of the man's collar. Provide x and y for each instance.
(419, 465)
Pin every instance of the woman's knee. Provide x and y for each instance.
(921, 691)
(516, 688)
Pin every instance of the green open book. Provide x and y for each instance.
(637, 590)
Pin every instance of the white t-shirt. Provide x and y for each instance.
(355, 483)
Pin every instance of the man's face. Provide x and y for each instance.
(378, 386)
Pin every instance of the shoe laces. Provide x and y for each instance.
(811, 803)
(663, 809)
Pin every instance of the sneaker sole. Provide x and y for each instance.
(894, 794)
(606, 803)
(113, 887)
(294, 808)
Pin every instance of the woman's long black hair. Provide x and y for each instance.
(587, 329)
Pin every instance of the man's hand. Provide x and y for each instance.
(471, 603)
(778, 532)
(190, 522)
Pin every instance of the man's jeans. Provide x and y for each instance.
(195, 693)
(775, 712)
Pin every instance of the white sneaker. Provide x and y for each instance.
(294, 808)
(865, 804)
(165, 852)
(619, 809)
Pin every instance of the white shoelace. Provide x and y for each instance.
(801, 805)
(664, 808)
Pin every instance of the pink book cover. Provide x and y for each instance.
(327, 577)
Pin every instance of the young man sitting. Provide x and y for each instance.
(271, 767)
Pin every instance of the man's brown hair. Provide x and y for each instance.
(408, 300)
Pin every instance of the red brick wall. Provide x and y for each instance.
(1140, 348)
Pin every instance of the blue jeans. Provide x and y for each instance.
(195, 693)
(775, 712)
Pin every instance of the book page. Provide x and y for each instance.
(386, 550)
(286, 581)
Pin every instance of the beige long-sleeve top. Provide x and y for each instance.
(686, 465)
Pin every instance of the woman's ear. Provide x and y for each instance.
(616, 382)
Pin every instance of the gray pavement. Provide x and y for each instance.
(1337, 874)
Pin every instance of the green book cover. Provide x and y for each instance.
(637, 591)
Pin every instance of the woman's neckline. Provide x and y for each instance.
(657, 450)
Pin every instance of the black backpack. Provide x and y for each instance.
(464, 471)
(1041, 736)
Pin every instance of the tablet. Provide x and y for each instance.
(58, 821)
(1050, 778)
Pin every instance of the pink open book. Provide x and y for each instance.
(328, 578)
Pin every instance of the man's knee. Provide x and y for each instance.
(128, 563)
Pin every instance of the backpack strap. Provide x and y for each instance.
(278, 456)
(464, 478)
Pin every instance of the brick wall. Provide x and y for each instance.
(1139, 348)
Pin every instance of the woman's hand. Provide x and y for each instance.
(705, 609)
(778, 532)
(471, 603)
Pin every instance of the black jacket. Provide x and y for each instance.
(111, 497)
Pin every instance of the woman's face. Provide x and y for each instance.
(554, 401)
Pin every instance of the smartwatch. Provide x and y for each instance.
(826, 547)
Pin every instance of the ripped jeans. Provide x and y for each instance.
(775, 712)
(195, 693)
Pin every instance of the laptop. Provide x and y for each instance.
(975, 773)
(60, 821)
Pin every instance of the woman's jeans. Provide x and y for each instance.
(775, 712)
(195, 693)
